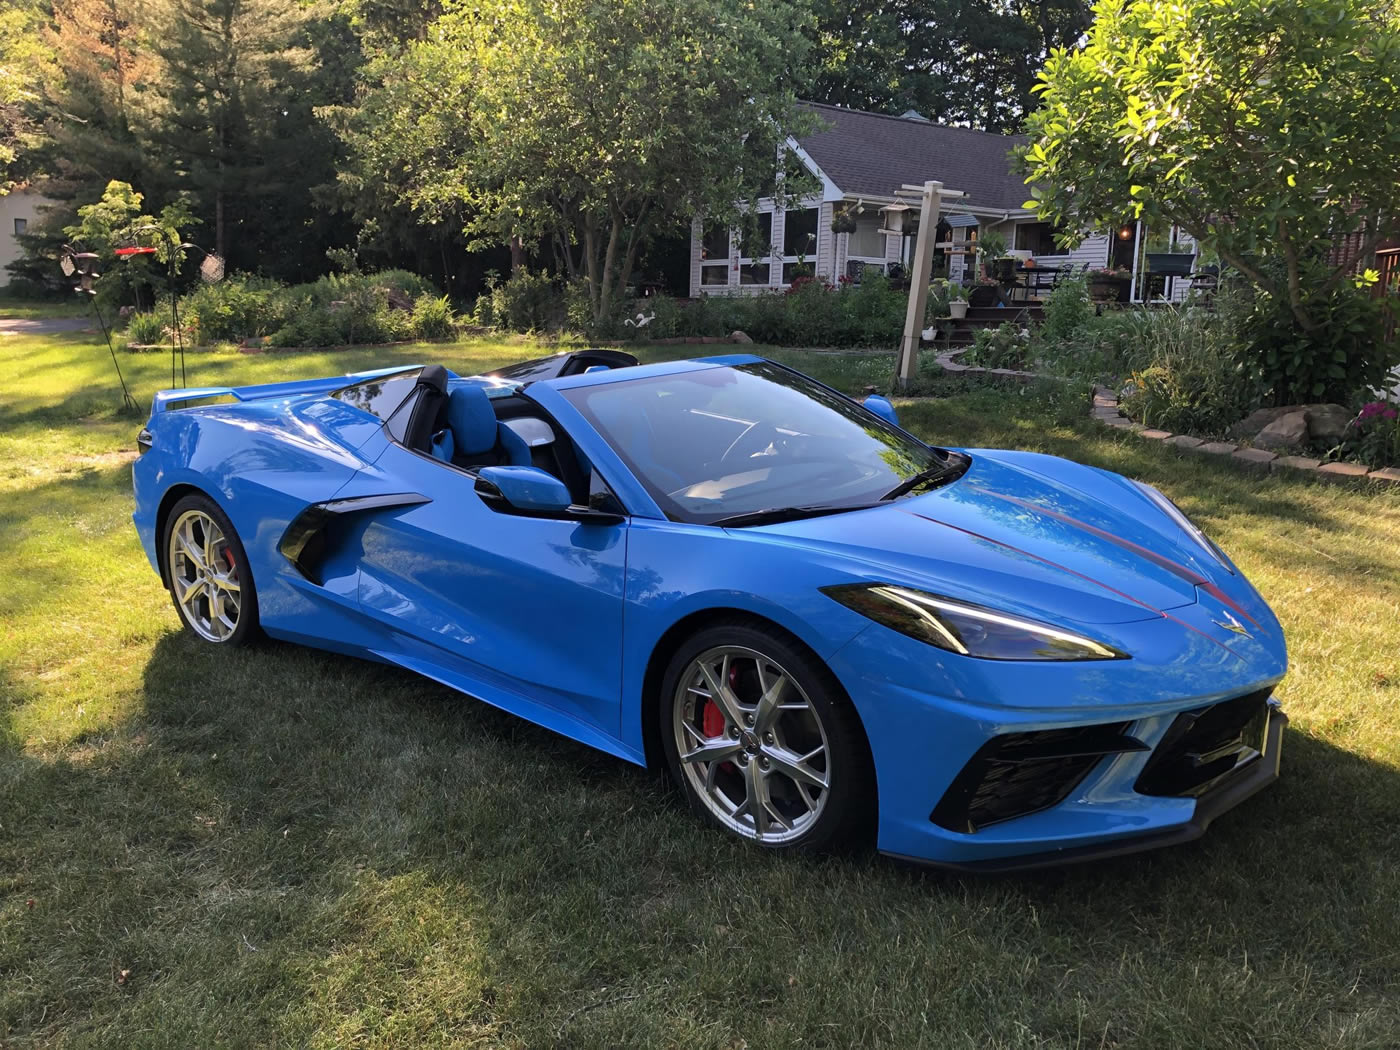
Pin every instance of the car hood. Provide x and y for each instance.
(1032, 534)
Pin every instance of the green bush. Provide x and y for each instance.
(1373, 437)
(145, 329)
(1346, 355)
(1002, 347)
(235, 309)
(524, 302)
(432, 317)
(1193, 382)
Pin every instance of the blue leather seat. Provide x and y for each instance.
(473, 437)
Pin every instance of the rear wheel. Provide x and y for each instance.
(764, 742)
(207, 574)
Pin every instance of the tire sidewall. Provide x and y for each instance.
(247, 628)
(847, 811)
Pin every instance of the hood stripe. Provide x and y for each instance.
(1191, 576)
(1066, 569)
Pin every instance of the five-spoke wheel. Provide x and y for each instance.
(763, 741)
(206, 573)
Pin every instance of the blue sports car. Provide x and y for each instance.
(828, 630)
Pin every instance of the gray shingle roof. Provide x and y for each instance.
(871, 153)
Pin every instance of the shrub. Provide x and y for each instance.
(524, 302)
(1334, 362)
(1373, 437)
(1002, 347)
(144, 329)
(432, 317)
(235, 309)
(1193, 382)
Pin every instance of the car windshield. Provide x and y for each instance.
(721, 442)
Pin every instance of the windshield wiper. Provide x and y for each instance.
(932, 476)
(773, 515)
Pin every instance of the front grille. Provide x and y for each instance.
(1022, 773)
(1204, 745)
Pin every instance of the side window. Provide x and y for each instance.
(382, 395)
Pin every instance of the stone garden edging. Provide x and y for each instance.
(1105, 410)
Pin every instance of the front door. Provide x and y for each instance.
(524, 606)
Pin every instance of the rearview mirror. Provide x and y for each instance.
(534, 493)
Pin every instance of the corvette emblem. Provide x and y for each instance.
(1231, 624)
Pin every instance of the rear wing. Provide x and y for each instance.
(173, 400)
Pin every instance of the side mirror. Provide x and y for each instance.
(881, 407)
(534, 493)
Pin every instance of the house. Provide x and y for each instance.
(861, 160)
(19, 209)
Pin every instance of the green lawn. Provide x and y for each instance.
(279, 847)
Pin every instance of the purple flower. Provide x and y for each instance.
(1376, 409)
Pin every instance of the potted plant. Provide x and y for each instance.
(995, 262)
(957, 306)
(1109, 284)
(843, 218)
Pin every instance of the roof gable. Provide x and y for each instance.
(875, 154)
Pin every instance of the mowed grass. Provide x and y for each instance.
(279, 847)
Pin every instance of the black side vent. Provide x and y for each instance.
(1022, 773)
(1204, 745)
(312, 533)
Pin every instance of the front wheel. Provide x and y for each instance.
(764, 742)
(206, 572)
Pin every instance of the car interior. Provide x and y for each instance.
(457, 422)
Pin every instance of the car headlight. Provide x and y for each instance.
(967, 629)
(1188, 526)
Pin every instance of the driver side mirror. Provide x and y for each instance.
(534, 493)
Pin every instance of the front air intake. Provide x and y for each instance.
(1022, 773)
(1204, 745)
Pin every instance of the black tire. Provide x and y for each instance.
(845, 818)
(208, 619)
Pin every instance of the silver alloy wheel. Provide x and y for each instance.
(762, 766)
(204, 576)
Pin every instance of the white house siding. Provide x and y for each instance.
(1091, 253)
(823, 261)
(21, 204)
(826, 244)
(697, 235)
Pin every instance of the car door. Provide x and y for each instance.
(530, 609)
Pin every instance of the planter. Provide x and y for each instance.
(1109, 289)
(957, 309)
(1004, 270)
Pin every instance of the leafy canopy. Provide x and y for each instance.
(586, 123)
(1262, 127)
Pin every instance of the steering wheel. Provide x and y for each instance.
(753, 439)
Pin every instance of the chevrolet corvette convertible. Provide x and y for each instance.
(828, 630)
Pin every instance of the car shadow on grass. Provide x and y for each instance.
(291, 845)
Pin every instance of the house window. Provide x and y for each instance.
(756, 248)
(800, 233)
(714, 256)
(21, 226)
(1038, 238)
(866, 241)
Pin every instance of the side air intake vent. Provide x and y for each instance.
(1204, 745)
(1022, 773)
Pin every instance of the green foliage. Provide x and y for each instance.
(146, 329)
(1373, 437)
(1345, 355)
(234, 309)
(1253, 124)
(590, 125)
(525, 302)
(1193, 382)
(26, 62)
(1004, 346)
(432, 317)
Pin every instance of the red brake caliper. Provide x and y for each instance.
(712, 718)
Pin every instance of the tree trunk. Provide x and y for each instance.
(517, 253)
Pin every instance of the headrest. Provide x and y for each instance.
(434, 376)
(472, 419)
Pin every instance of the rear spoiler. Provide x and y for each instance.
(173, 400)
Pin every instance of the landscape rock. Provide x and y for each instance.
(1286, 431)
(1257, 420)
(1327, 423)
(737, 336)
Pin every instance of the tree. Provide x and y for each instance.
(1261, 127)
(583, 123)
(25, 63)
(970, 62)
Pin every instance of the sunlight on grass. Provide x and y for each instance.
(284, 847)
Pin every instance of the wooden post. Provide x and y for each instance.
(918, 283)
